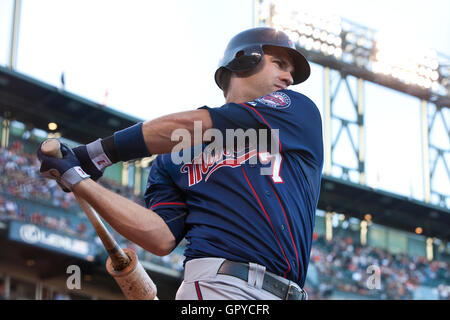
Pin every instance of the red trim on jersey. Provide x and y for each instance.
(264, 120)
(168, 203)
(270, 222)
(199, 292)
(290, 233)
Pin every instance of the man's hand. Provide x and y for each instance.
(66, 170)
(93, 159)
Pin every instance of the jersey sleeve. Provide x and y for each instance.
(294, 115)
(164, 197)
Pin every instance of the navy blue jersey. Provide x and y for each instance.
(227, 208)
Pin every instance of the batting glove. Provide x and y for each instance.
(93, 159)
(66, 170)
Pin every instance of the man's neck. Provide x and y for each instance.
(236, 99)
(241, 96)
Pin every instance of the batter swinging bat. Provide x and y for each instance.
(122, 265)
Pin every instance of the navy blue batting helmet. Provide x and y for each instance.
(245, 51)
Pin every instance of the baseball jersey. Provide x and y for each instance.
(259, 211)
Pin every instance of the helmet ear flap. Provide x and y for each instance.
(243, 60)
(224, 79)
(246, 59)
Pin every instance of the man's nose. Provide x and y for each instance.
(287, 78)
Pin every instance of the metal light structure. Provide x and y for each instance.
(340, 41)
(14, 34)
(352, 54)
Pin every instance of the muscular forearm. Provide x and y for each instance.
(136, 223)
(145, 139)
(157, 133)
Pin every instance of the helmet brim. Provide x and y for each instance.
(302, 69)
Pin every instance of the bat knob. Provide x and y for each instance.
(51, 148)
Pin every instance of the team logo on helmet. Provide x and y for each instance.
(277, 100)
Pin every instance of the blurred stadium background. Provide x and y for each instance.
(368, 243)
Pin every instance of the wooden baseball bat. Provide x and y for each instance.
(122, 264)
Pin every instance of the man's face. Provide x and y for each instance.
(273, 73)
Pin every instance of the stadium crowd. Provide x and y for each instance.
(344, 266)
(10, 210)
(340, 264)
(20, 180)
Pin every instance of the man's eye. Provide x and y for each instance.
(278, 62)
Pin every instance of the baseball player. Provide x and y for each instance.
(247, 212)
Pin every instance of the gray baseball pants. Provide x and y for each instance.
(201, 282)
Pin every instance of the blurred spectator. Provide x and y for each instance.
(81, 230)
(2, 206)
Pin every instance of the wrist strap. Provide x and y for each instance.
(98, 155)
(110, 149)
(73, 176)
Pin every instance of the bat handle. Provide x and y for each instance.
(119, 259)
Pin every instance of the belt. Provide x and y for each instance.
(280, 287)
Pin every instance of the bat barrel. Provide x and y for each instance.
(133, 280)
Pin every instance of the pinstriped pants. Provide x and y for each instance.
(201, 282)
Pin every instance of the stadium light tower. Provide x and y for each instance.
(348, 50)
(5, 118)
(333, 40)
